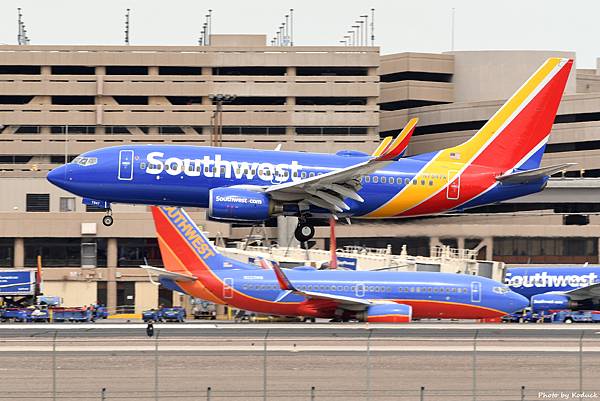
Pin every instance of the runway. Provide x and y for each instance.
(240, 362)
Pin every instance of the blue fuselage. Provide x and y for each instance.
(183, 176)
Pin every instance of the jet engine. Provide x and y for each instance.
(387, 313)
(239, 204)
(549, 301)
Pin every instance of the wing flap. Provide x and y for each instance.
(587, 292)
(329, 190)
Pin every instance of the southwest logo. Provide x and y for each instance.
(217, 167)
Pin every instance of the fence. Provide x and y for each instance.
(318, 363)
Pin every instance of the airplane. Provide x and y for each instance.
(195, 267)
(500, 162)
(557, 288)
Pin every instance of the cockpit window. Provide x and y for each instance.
(500, 290)
(85, 161)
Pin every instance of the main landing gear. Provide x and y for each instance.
(108, 219)
(304, 231)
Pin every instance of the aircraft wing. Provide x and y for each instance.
(330, 189)
(587, 292)
(523, 177)
(286, 285)
(157, 271)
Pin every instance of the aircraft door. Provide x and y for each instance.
(453, 189)
(360, 290)
(228, 288)
(126, 165)
(475, 291)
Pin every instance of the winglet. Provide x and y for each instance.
(284, 283)
(396, 149)
(382, 146)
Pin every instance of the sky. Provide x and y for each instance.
(400, 25)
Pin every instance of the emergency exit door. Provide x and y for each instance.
(228, 288)
(126, 165)
(475, 291)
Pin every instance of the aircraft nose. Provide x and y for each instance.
(58, 176)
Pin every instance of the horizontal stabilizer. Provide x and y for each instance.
(157, 271)
(522, 177)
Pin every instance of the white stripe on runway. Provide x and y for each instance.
(259, 348)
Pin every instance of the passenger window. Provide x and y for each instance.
(414, 181)
(375, 179)
(142, 165)
(383, 180)
(303, 175)
(311, 174)
(430, 182)
(422, 182)
(367, 179)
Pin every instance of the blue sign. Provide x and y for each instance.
(347, 263)
(17, 282)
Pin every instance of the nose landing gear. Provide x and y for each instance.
(108, 219)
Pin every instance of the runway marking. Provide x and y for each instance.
(259, 348)
(300, 326)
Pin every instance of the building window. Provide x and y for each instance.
(165, 297)
(132, 251)
(101, 293)
(38, 202)
(67, 204)
(546, 250)
(55, 252)
(6, 252)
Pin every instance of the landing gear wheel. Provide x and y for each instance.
(304, 232)
(107, 220)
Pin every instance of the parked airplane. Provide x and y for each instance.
(555, 288)
(502, 161)
(194, 266)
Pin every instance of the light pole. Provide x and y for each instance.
(216, 138)
(127, 27)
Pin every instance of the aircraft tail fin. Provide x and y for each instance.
(184, 248)
(515, 137)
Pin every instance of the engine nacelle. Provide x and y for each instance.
(387, 313)
(240, 204)
(545, 302)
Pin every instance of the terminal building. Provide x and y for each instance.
(59, 101)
